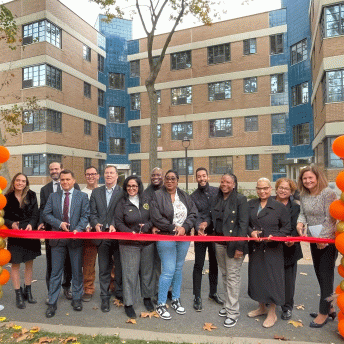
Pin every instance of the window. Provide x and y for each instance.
(87, 162)
(116, 114)
(219, 53)
(100, 97)
(298, 52)
(278, 165)
(87, 90)
(135, 101)
(87, 127)
(136, 167)
(276, 44)
(42, 31)
(86, 53)
(250, 46)
(331, 159)
(181, 95)
(159, 131)
(117, 81)
(251, 123)
(301, 134)
(101, 133)
(42, 120)
(101, 167)
(220, 127)
(135, 135)
(181, 130)
(38, 164)
(219, 90)
(135, 69)
(117, 146)
(181, 60)
(250, 85)
(252, 162)
(333, 86)
(220, 164)
(333, 20)
(278, 123)
(179, 165)
(42, 75)
(299, 94)
(277, 83)
(101, 63)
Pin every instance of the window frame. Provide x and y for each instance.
(101, 132)
(86, 53)
(42, 160)
(277, 167)
(177, 162)
(181, 60)
(179, 131)
(279, 82)
(214, 169)
(249, 46)
(226, 86)
(299, 52)
(301, 134)
(279, 46)
(46, 76)
(116, 81)
(298, 97)
(135, 136)
(87, 127)
(135, 69)
(42, 120)
(135, 101)
(137, 168)
(222, 132)
(214, 56)
(101, 63)
(101, 98)
(87, 90)
(249, 82)
(251, 123)
(181, 95)
(116, 114)
(120, 148)
(251, 165)
(276, 127)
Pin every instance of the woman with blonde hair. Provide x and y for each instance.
(21, 213)
(315, 220)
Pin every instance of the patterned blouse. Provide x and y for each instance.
(315, 211)
(180, 211)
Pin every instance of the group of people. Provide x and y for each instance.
(163, 208)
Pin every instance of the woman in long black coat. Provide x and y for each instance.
(266, 260)
(21, 212)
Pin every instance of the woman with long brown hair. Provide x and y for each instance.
(21, 213)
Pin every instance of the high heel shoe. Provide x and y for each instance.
(316, 325)
(332, 315)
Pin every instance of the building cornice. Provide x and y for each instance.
(329, 129)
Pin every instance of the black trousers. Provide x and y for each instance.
(106, 250)
(67, 271)
(200, 251)
(324, 262)
(290, 279)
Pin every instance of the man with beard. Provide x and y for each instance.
(156, 184)
(55, 169)
(203, 197)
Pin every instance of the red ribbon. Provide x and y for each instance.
(15, 233)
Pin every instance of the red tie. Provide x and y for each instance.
(66, 208)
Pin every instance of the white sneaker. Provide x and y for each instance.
(163, 313)
(176, 305)
(229, 322)
(223, 312)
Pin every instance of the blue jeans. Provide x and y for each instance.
(172, 255)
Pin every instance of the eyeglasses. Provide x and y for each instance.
(173, 179)
(266, 188)
(132, 186)
(156, 175)
(90, 174)
(283, 189)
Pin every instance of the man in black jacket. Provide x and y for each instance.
(203, 198)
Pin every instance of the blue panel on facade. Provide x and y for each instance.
(133, 47)
(278, 17)
(276, 176)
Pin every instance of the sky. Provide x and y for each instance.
(235, 8)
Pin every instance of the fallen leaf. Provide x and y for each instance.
(16, 335)
(303, 273)
(295, 323)
(16, 327)
(118, 303)
(155, 314)
(69, 340)
(3, 319)
(149, 315)
(280, 337)
(67, 314)
(131, 321)
(25, 336)
(209, 327)
(300, 307)
(95, 308)
(35, 329)
(45, 340)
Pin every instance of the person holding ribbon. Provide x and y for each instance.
(21, 213)
(315, 220)
(174, 213)
(267, 218)
(132, 216)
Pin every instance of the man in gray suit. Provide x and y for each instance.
(66, 210)
(102, 208)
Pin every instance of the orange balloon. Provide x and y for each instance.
(3, 201)
(340, 301)
(340, 316)
(339, 242)
(3, 228)
(341, 270)
(340, 181)
(338, 146)
(3, 182)
(337, 209)
(4, 154)
(341, 328)
(339, 290)
(5, 256)
(4, 277)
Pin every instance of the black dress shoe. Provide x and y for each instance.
(332, 315)
(50, 312)
(215, 297)
(68, 294)
(105, 306)
(129, 311)
(316, 325)
(148, 304)
(286, 315)
(197, 304)
(77, 305)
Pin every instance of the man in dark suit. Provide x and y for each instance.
(55, 169)
(66, 210)
(102, 207)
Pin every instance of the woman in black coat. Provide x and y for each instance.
(266, 260)
(230, 218)
(21, 213)
(292, 251)
(132, 216)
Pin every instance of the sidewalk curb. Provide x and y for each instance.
(150, 335)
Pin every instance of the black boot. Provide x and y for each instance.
(27, 295)
(19, 298)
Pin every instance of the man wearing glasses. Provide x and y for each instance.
(90, 248)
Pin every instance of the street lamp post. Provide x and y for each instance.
(186, 144)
